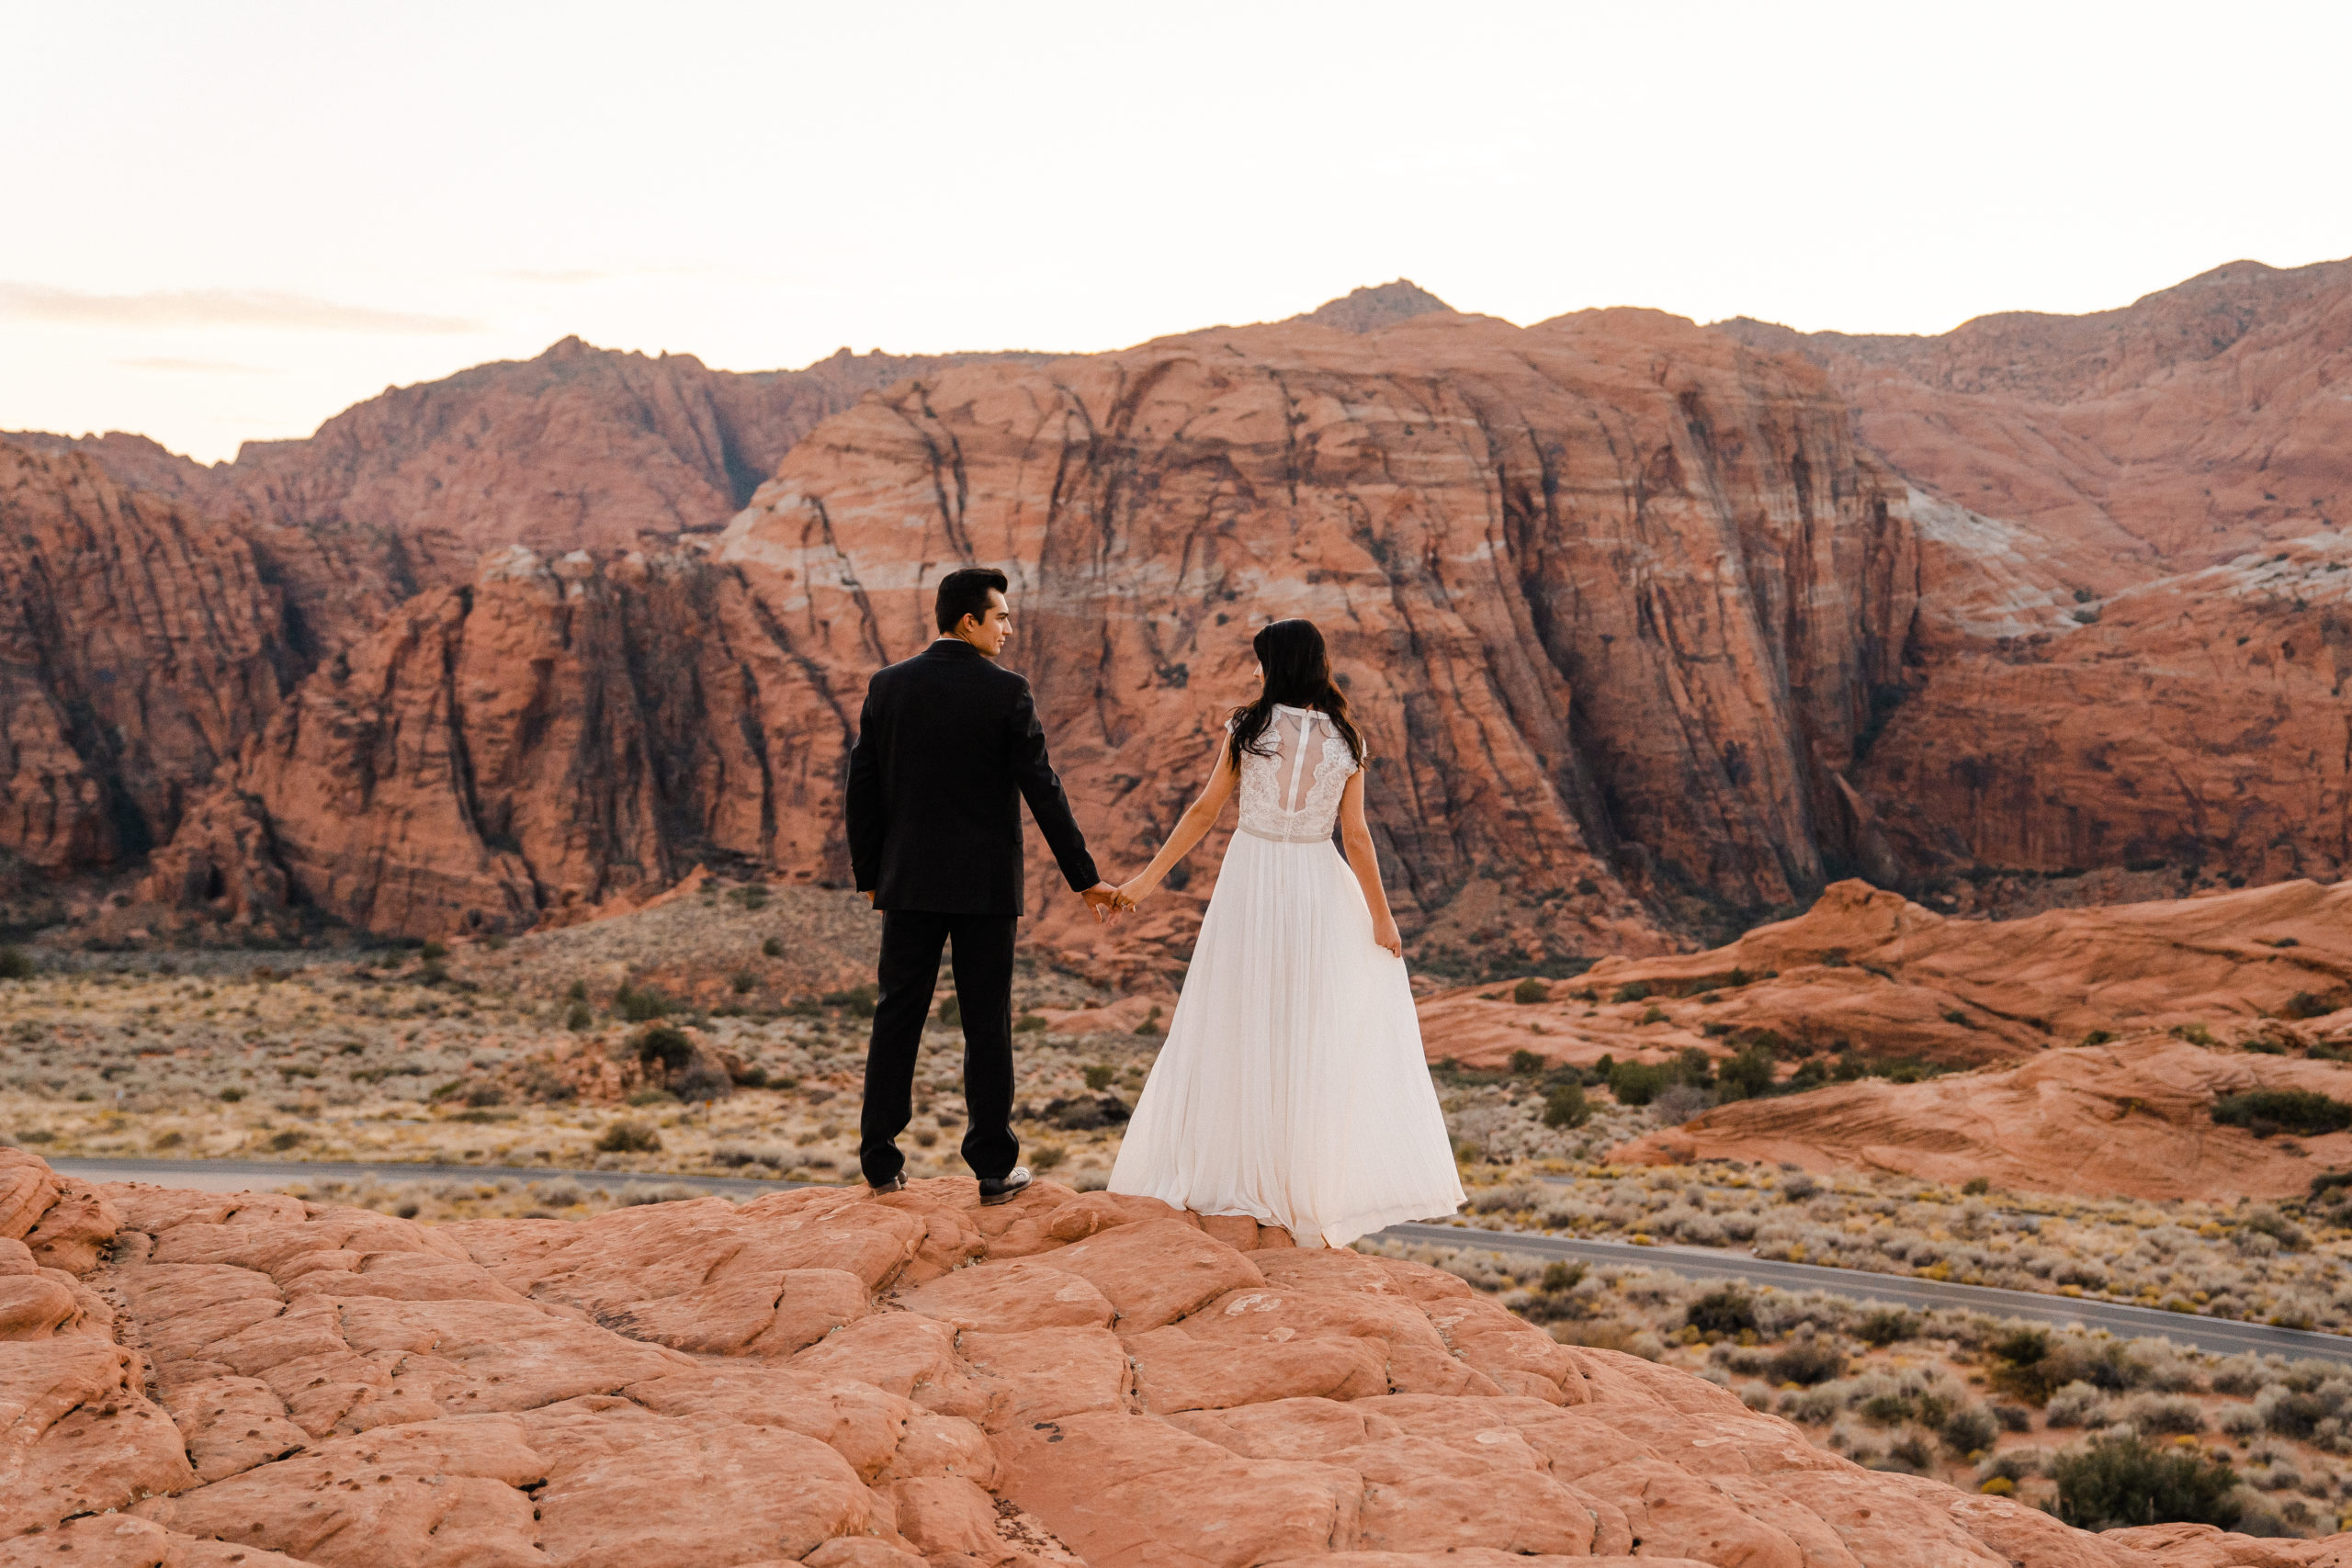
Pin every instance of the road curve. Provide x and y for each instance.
(2220, 1334)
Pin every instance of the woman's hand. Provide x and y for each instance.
(1383, 934)
(1134, 892)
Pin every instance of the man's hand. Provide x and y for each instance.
(1103, 899)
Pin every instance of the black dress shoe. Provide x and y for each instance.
(896, 1184)
(993, 1193)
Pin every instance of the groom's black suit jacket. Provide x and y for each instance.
(947, 747)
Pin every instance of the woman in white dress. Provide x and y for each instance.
(1291, 1087)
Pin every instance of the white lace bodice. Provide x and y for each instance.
(1290, 789)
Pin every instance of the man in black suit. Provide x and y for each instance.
(948, 745)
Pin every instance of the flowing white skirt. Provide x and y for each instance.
(1291, 1087)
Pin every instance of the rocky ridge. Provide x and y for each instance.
(1869, 967)
(2133, 1119)
(200, 1378)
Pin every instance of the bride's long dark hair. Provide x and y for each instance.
(1298, 674)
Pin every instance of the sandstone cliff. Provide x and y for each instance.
(196, 1380)
(140, 644)
(2194, 424)
(1611, 593)
(554, 740)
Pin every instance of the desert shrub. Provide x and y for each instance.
(231, 1095)
(2075, 1405)
(1748, 1074)
(1726, 1310)
(628, 1138)
(1047, 1157)
(1912, 1452)
(741, 982)
(2013, 1417)
(640, 1006)
(1564, 1106)
(2305, 1004)
(1527, 1064)
(753, 896)
(1530, 990)
(951, 1011)
(15, 964)
(859, 1001)
(704, 1081)
(580, 1019)
(2303, 1111)
(1028, 1023)
(1976, 1186)
(1632, 991)
(1695, 1067)
(1678, 1104)
(772, 947)
(1969, 1429)
(1638, 1083)
(433, 951)
(281, 1142)
(483, 1095)
(2114, 1483)
(1886, 1326)
(645, 1097)
(1809, 1361)
(2293, 1413)
(1560, 1277)
(1099, 1074)
(2161, 1414)
(664, 1047)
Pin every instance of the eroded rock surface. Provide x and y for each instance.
(1868, 966)
(1060, 1379)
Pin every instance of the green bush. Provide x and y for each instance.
(2306, 1004)
(640, 1006)
(1560, 1277)
(857, 1000)
(1695, 1067)
(1726, 1310)
(231, 1095)
(1977, 1185)
(1748, 1074)
(1527, 1064)
(2113, 1483)
(772, 947)
(2265, 1111)
(15, 964)
(1808, 1362)
(1530, 990)
(1887, 1326)
(1099, 1074)
(1632, 991)
(1564, 1106)
(1969, 1428)
(581, 1018)
(1638, 1083)
(629, 1138)
(1028, 1023)
(742, 981)
(433, 951)
(664, 1047)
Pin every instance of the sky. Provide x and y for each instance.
(229, 221)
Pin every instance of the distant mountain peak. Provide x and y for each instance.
(1362, 309)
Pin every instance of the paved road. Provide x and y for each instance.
(2215, 1334)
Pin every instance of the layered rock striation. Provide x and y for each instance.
(141, 643)
(1611, 594)
(831, 1379)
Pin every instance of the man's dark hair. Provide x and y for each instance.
(966, 592)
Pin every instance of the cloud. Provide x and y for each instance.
(214, 308)
(197, 366)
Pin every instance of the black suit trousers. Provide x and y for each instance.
(982, 946)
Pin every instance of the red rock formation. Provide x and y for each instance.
(2131, 1120)
(580, 448)
(1062, 1379)
(2192, 426)
(1611, 595)
(554, 740)
(140, 644)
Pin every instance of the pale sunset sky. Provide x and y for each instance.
(231, 221)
